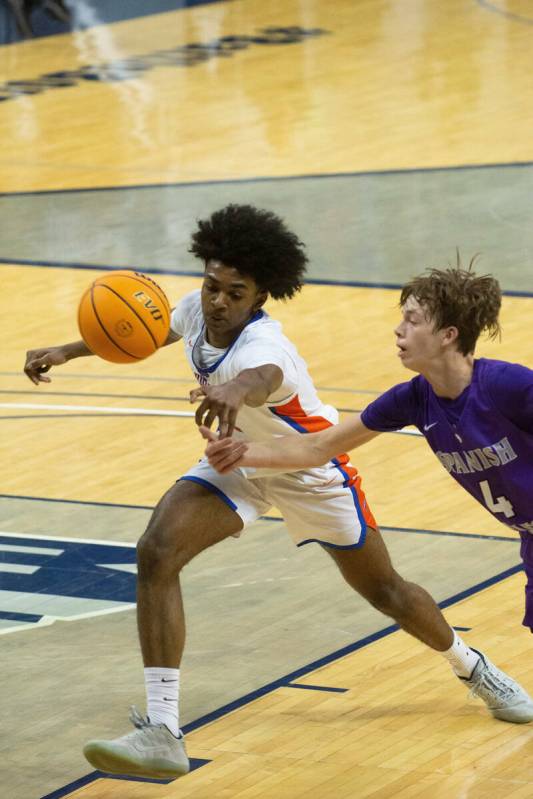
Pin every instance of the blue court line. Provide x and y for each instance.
(272, 179)
(153, 270)
(13, 616)
(480, 586)
(338, 654)
(449, 533)
(106, 16)
(503, 13)
(166, 397)
(99, 267)
(158, 397)
(159, 379)
(366, 284)
(317, 687)
(304, 670)
(196, 763)
(417, 530)
(76, 502)
(462, 629)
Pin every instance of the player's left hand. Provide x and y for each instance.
(224, 454)
(219, 402)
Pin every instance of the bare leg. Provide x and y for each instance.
(188, 519)
(370, 572)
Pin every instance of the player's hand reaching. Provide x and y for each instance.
(40, 361)
(224, 454)
(219, 402)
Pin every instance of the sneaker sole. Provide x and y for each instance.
(513, 719)
(112, 763)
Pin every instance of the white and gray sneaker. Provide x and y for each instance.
(504, 697)
(149, 751)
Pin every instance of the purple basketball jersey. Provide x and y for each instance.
(475, 437)
(484, 439)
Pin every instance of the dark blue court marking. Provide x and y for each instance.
(102, 12)
(159, 379)
(277, 179)
(69, 568)
(304, 670)
(462, 629)
(451, 534)
(337, 655)
(366, 284)
(81, 570)
(192, 273)
(35, 417)
(504, 13)
(182, 56)
(481, 586)
(78, 554)
(106, 12)
(420, 531)
(196, 763)
(317, 688)
(26, 617)
(77, 502)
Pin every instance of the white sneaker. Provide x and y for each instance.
(149, 751)
(504, 697)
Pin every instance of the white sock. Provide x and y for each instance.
(162, 694)
(462, 659)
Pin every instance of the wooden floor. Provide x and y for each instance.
(369, 86)
(385, 737)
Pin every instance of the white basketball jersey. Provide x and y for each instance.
(293, 408)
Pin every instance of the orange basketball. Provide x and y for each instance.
(124, 316)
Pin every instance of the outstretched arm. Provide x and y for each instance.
(40, 361)
(287, 452)
(251, 387)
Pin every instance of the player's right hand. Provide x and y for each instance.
(40, 361)
(224, 454)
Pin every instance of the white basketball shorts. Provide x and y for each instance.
(325, 505)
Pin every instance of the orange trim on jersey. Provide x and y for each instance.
(353, 481)
(293, 412)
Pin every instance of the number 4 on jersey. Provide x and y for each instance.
(500, 505)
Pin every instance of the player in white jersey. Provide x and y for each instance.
(261, 341)
(253, 381)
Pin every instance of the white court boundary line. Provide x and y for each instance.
(139, 411)
(35, 406)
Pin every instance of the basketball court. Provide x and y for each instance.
(387, 135)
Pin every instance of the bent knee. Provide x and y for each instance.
(161, 553)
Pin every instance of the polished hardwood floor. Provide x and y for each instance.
(284, 90)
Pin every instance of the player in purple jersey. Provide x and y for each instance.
(476, 414)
